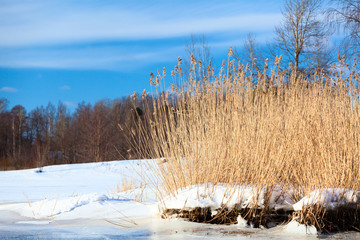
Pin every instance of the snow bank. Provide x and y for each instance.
(295, 227)
(222, 195)
(61, 181)
(77, 191)
(87, 206)
(329, 198)
(49, 208)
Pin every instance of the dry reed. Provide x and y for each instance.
(275, 128)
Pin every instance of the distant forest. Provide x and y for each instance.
(52, 135)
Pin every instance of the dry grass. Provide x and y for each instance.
(288, 130)
(126, 185)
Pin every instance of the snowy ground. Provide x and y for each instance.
(111, 201)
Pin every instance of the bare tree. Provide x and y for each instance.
(3, 104)
(50, 122)
(251, 52)
(321, 55)
(299, 31)
(101, 131)
(62, 124)
(197, 48)
(346, 15)
(38, 124)
(18, 114)
(5, 139)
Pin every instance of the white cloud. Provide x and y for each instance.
(70, 104)
(118, 58)
(122, 35)
(8, 89)
(63, 22)
(65, 88)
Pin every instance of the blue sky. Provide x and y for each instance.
(87, 50)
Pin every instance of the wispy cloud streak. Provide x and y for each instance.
(70, 104)
(8, 89)
(116, 57)
(57, 22)
(65, 88)
(122, 35)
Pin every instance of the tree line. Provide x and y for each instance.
(52, 135)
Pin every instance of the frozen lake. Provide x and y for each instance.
(159, 229)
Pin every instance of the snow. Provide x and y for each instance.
(241, 222)
(66, 180)
(78, 191)
(221, 195)
(297, 228)
(82, 201)
(329, 198)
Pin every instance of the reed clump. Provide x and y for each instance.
(343, 218)
(262, 129)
